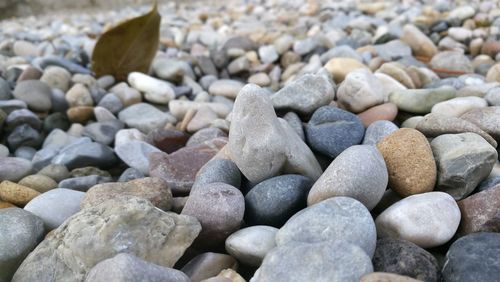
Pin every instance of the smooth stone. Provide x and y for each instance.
(130, 174)
(4, 152)
(250, 245)
(360, 91)
(463, 161)
(339, 68)
(38, 182)
(383, 112)
(78, 95)
(128, 268)
(179, 169)
(203, 135)
(111, 102)
(56, 77)
(296, 123)
(226, 88)
(155, 90)
(127, 95)
(410, 163)
(219, 207)
(420, 44)
(202, 119)
(437, 214)
(487, 119)
(152, 189)
(21, 233)
(377, 131)
(127, 135)
(16, 194)
(386, 277)
(86, 154)
(207, 265)
(397, 71)
(358, 172)
(136, 154)
(434, 125)
(25, 152)
(89, 170)
(145, 117)
(54, 171)
(261, 79)
(492, 96)
(389, 84)
(273, 201)
(169, 69)
(337, 218)
(393, 50)
(55, 206)
(169, 140)
(103, 132)
(474, 257)
(305, 94)
(22, 116)
(24, 135)
(421, 101)
(53, 60)
(451, 61)
(488, 183)
(8, 106)
(238, 65)
(36, 94)
(257, 136)
(80, 114)
(480, 212)
(493, 74)
(217, 170)
(458, 106)
(268, 54)
(5, 92)
(129, 225)
(405, 258)
(462, 12)
(56, 121)
(332, 130)
(83, 183)
(334, 261)
(179, 108)
(14, 169)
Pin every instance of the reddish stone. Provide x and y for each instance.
(480, 212)
(387, 111)
(167, 140)
(30, 73)
(491, 48)
(179, 168)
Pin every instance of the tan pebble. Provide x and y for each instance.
(340, 67)
(38, 182)
(16, 194)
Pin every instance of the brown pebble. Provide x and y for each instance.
(387, 111)
(80, 114)
(16, 194)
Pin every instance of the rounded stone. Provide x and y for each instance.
(409, 161)
(250, 245)
(275, 200)
(457, 106)
(38, 182)
(340, 67)
(359, 91)
(14, 169)
(428, 220)
(218, 170)
(35, 93)
(225, 87)
(386, 277)
(337, 218)
(387, 112)
(16, 194)
(358, 172)
(55, 172)
(332, 130)
(378, 131)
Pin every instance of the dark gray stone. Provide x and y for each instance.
(130, 174)
(85, 154)
(488, 183)
(218, 170)
(14, 169)
(274, 201)
(83, 183)
(23, 116)
(103, 132)
(5, 92)
(24, 135)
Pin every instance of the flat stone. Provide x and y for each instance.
(128, 268)
(405, 258)
(377, 131)
(332, 130)
(463, 161)
(14, 169)
(250, 245)
(458, 106)
(486, 118)
(225, 87)
(410, 163)
(337, 218)
(451, 61)
(208, 265)
(16, 194)
(305, 94)
(85, 154)
(421, 101)
(38, 182)
(136, 154)
(220, 208)
(358, 172)
(480, 212)
(326, 261)
(155, 90)
(273, 201)
(145, 117)
(152, 189)
(35, 93)
(21, 233)
(103, 132)
(128, 225)
(420, 44)
(473, 257)
(55, 206)
(428, 220)
(262, 145)
(83, 183)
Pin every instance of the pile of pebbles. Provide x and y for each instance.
(270, 141)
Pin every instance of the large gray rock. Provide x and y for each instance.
(359, 91)
(21, 232)
(337, 218)
(358, 172)
(129, 268)
(305, 94)
(333, 261)
(262, 145)
(122, 225)
(463, 161)
(250, 245)
(55, 206)
(428, 219)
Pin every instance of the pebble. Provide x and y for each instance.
(145, 117)
(339, 68)
(79, 95)
(207, 265)
(479, 211)
(85, 154)
(38, 182)
(458, 106)
(14, 169)
(463, 161)
(35, 94)
(358, 172)
(16, 194)
(55, 172)
(55, 206)
(486, 118)
(217, 170)
(125, 267)
(273, 201)
(451, 62)
(437, 213)
(332, 130)
(360, 91)
(421, 101)
(386, 277)
(250, 245)
(475, 256)
(338, 218)
(420, 44)
(169, 140)
(155, 90)
(56, 77)
(226, 88)
(21, 233)
(403, 257)
(83, 183)
(383, 112)
(410, 162)
(136, 154)
(377, 131)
